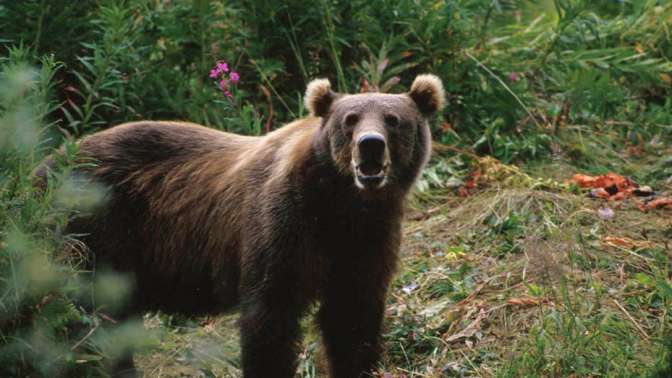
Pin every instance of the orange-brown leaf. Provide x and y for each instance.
(657, 204)
(583, 181)
(525, 301)
(627, 193)
(600, 193)
(604, 181)
(470, 184)
(462, 192)
(625, 242)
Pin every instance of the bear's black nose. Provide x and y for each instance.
(372, 149)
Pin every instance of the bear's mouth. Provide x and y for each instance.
(370, 175)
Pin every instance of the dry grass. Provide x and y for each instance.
(484, 276)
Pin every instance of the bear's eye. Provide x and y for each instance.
(351, 119)
(392, 120)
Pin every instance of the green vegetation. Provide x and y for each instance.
(506, 271)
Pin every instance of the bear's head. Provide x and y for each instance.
(380, 140)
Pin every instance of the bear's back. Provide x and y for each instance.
(171, 213)
(149, 143)
(175, 213)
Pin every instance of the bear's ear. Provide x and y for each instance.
(319, 97)
(428, 94)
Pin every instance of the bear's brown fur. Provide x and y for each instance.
(311, 213)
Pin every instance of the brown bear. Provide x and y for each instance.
(205, 220)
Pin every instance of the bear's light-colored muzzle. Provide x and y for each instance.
(370, 159)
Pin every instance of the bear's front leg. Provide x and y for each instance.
(269, 337)
(351, 319)
(352, 341)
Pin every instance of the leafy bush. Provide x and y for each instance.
(516, 72)
(53, 305)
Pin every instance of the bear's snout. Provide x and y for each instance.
(370, 160)
(372, 151)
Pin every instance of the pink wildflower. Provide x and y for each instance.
(219, 73)
(222, 66)
(514, 77)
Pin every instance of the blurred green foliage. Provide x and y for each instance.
(524, 80)
(52, 306)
